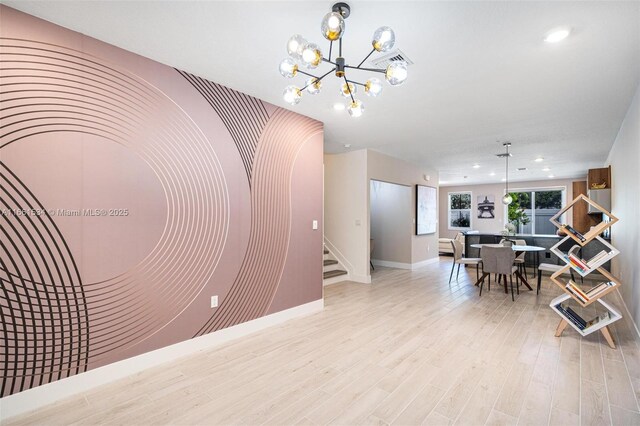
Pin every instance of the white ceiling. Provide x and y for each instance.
(482, 72)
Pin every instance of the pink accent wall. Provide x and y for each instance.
(131, 193)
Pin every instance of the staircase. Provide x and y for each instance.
(333, 272)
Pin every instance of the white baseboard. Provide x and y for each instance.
(389, 264)
(624, 305)
(400, 265)
(40, 396)
(425, 263)
(364, 279)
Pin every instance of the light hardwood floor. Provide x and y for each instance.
(407, 349)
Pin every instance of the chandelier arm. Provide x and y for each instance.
(306, 73)
(365, 58)
(349, 88)
(326, 74)
(329, 61)
(317, 78)
(340, 47)
(330, 47)
(355, 82)
(367, 69)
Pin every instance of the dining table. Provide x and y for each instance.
(519, 250)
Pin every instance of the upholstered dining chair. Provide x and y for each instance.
(459, 260)
(520, 259)
(498, 260)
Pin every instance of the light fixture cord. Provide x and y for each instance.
(506, 171)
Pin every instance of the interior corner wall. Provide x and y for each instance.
(132, 193)
(624, 159)
(424, 248)
(347, 203)
(493, 225)
(345, 210)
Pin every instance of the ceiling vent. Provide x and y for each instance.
(395, 55)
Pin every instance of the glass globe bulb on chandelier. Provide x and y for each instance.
(332, 27)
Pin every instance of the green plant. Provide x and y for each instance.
(516, 213)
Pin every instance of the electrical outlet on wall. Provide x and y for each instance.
(214, 301)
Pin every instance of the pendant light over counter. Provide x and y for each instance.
(506, 199)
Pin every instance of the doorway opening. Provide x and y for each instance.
(391, 225)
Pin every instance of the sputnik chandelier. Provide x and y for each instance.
(309, 54)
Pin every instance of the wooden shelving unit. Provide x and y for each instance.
(602, 324)
(611, 253)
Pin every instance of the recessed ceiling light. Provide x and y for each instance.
(557, 35)
(476, 166)
(492, 174)
(503, 180)
(546, 169)
(338, 106)
(539, 159)
(551, 176)
(347, 145)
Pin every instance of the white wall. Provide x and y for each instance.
(346, 210)
(391, 222)
(389, 169)
(624, 159)
(496, 225)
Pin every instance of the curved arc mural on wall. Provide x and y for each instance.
(80, 292)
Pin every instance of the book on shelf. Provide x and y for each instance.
(599, 288)
(597, 257)
(575, 233)
(577, 320)
(576, 317)
(576, 295)
(578, 262)
(569, 317)
(573, 287)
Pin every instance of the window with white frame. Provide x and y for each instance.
(531, 209)
(459, 210)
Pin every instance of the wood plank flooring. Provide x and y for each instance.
(408, 349)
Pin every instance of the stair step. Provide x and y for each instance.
(326, 251)
(334, 273)
(328, 262)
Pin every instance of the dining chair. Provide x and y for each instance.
(498, 260)
(458, 259)
(520, 259)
